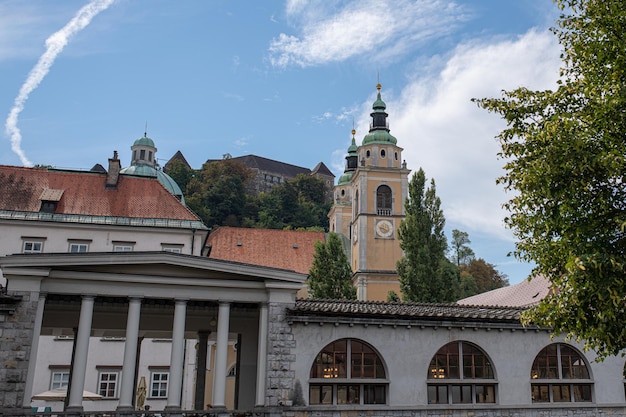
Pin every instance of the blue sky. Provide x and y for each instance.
(283, 80)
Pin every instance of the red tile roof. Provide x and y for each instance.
(84, 193)
(284, 249)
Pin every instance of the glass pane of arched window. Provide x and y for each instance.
(331, 361)
(553, 366)
(475, 363)
(445, 363)
(546, 364)
(451, 372)
(383, 199)
(572, 364)
(331, 364)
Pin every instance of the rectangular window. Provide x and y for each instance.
(461, 394)
(560, 393)
(158, 384)
(374, 394)
(107, 384)
(174, 248)
(123, 246)
(79, 247)
(59, 379)
(437, 394)
(541, 393)
(32, 246)
(582, 393)
(348, 394)
(321, 394)
(485, 393)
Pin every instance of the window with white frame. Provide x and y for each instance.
(348, 371)
(158, 383)
(59, 378)
(78, 246)
(107, 383)
(32, 245)
(461, 373)
(560, 374)
(172, 247)
(123, 246)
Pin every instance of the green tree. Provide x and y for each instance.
(467, 285)
(485, 275)
(461, 252)
(393, 297)
(330, 275)
(217, 193)
(298, 203)
(180, 173)
(426, 275)
(565, 164)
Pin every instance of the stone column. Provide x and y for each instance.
(34, 347)
(219, 372)
(177, 358)
(127, 391)
(75, 402)
(261, 366)
(201, 352)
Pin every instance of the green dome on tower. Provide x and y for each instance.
(144, 141)
(144, 164)
(379, 129)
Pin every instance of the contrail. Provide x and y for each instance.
(54, 46)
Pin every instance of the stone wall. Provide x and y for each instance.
(17, 317)
(589, 411)
(280, 373)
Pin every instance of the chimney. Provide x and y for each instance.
(114, 171)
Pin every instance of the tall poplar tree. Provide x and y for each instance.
(426, 275)
(330, 275)
(565, 163)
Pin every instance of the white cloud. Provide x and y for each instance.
(54, 46)
(454, 141)
(336, 31)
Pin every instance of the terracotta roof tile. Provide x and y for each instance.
(84, 193)
(406, 311)
(284, 249)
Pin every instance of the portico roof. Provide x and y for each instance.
(148, 274)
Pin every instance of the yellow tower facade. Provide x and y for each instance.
(369, 206)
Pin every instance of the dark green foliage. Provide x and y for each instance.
(298, 203)
(461, 252)
(425, 273)
(180, 173)
(392, 297)
(484, 274)
(566, 168)
(217, 193)
(330, 275)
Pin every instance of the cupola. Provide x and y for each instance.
(379, 128)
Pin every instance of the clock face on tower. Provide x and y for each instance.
(384, 228)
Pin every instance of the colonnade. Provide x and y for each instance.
(127, 388)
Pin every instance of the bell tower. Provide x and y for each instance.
(369, 205)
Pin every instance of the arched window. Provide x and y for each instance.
(461, 373)
(383, 200)
(348, 371)
(560, 374)
(355, 209)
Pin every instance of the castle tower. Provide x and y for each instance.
(369, 205)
